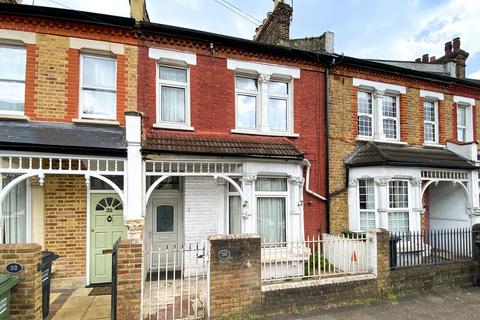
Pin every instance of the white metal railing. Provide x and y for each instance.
(315, 257)
(157, 167)
(447, 175)
(175, 282)
(60, 164)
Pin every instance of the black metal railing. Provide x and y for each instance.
(414, 248)
(113, 313)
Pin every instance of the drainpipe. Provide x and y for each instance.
(307, 164)
(327, 145)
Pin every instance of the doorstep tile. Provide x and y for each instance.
(98, 312)
(69, 314)
(102, 301)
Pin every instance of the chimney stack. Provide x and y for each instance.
(425, 58)
(138, 10)
(456, 44)
(276, 27)
(448, 47)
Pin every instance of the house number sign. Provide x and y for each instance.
(13, 267)
(224, 254)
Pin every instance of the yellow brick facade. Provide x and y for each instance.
(131, 55)
(51, 77)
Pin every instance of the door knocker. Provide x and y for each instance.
(109, 218)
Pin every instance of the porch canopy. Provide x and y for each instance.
(29, 149)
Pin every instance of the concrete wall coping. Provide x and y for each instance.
(319, 282)
(219, 237)
(377, 230)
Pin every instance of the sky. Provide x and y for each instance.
(376, 29)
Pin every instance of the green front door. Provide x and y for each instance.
(106, 227)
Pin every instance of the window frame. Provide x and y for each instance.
(186, 125)
(28, 208)
(382, 117)
(258, 104)
(374, 210)
(273, 194)
(232, 193)
(435, 122)
(94, 116)
(371, 116)
(286, 97)
(24, 48)
(467, 109)
(407, 209)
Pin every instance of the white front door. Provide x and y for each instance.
(166, 225)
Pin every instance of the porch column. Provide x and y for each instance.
(296, 187)
(417, 205)
(382, 183)
(474, 205)
(353, 209)
(248, 220)
(134, 187)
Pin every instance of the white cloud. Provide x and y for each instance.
(475, 75)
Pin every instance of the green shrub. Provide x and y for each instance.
(311, 266)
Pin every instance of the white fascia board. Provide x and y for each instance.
(263, 68)
(379, 85)
(464, 100)
(115, 48)
(431, 94)
(14, 35)
(190, 58)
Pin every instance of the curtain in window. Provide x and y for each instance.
(235, 214)
(173, 74)
(271, 184)
(12, 78)
(173, 104)
(277, 114)
(99, 73)
(247, 111)
(271, 224)
(98, 102)
(14, 215)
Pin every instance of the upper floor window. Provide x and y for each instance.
(263, 105)
(430, 121)
(173, 93)
(378, 110)
(464, 111)
(263, 98)
(12, 79)
(97, 87)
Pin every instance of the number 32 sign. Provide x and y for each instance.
(13, 267)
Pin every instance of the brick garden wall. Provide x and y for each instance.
(26, 296)
(66, 222)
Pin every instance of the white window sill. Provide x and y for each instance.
(434, 145)
(4, 116)
(381, 140)
(173, 126)
(260, 133)
(97, 122)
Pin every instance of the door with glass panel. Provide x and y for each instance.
(166, 229)
(106, 227)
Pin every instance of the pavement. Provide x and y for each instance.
(78, 305)
(459, 303)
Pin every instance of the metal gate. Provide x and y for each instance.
(114, 280)
(175, 282)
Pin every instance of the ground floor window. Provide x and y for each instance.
(398, 206)
(366, 199)
(234, 209)
(271, 195)
(13, 218)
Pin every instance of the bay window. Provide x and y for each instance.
(430, 121)
(12, 79)
(366, 199)
(398, 206)
(98, 87)
(173, 93)
(234, 209)
(13, 218)
(271, 197)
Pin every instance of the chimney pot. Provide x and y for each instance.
(448, 47)
(456, 44)
(425, 58)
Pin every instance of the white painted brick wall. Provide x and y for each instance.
(201, 212)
